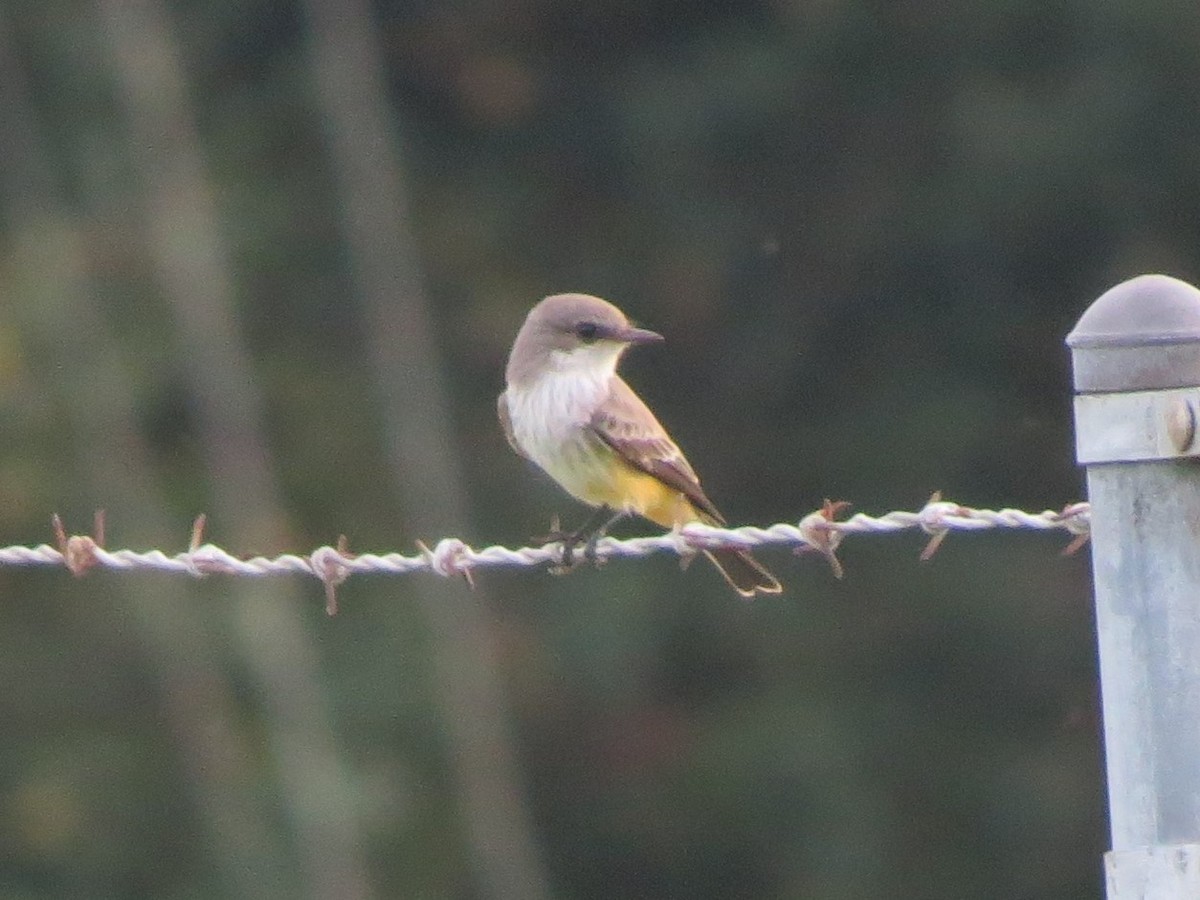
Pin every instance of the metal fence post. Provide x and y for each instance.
(1136, 356)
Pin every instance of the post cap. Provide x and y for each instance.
(1142, 335)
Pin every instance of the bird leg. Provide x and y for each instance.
(589, 549)
(588, 534)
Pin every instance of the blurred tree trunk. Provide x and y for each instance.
(191, 265)
(365, 156)
(62, 317)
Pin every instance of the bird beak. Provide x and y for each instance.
(638, 336)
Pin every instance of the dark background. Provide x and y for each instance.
(265, 260)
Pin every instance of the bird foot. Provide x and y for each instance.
(569, 540)
(590, 552)
(589, 538)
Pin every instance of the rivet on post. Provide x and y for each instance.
(1181, 424)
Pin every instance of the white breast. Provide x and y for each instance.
(549, 419)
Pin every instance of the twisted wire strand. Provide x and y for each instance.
(819, 531)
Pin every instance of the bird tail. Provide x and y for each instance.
(745, 574)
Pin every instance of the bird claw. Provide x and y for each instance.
(569, 540)
(553, 536)
(589, 538)
(590, 550)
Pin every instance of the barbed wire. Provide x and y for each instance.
(820, 531)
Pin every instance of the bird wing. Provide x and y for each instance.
(625, 424)
(506, 424)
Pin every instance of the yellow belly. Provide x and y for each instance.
(591, 471)
(617, 484)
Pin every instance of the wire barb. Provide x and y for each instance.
(329, 564)
(448, 558)
(821, 531)
(822, 535)
(1076, 519)
(79, 551)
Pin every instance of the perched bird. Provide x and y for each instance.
(565, 407)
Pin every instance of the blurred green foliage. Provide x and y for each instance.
(864, 228)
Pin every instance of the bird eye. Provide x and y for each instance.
(587, 331)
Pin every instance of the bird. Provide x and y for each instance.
(565, 408)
